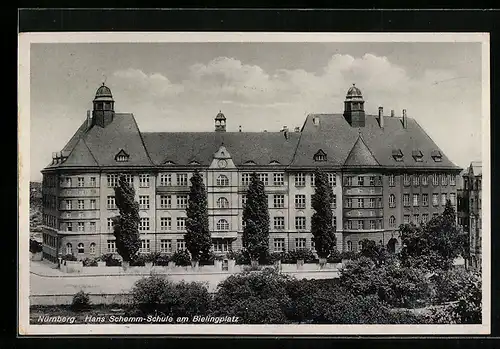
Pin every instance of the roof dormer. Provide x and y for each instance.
(397, 155)
(436, 155)
(320, 156)
(122, 156)
(417, 155)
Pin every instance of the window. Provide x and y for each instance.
(111, 246)
(92, 181)
(425, 218)
(81, 226)
(415, 218)
(81, 248)
(121, 158)
(397, 154)
(222, 203)
(110, 224)
(334, 222)
(182, 201)
(406, 179)
(165, 179)
(112, 180)
(453, 180)
(334, 201)
(361, 203)
(145, 246)
(144, 180)
(245, 178)
(165, 245)
(92, 248)
(144, 224)
(406, 219)
(392, 222)
(320, 156)
(279, 245)
(129, 179)
(332, 179)
(453, 198)
(144, 202)
(348, 203)
(181, 245)
(313, 180)
(436, 155)
(360, 245)
(360, 225)
(372, 224)
(111, 202)
(348, 181)
(165, 201)
(92, 226)
(361, 181)
(279, 201)
(165, 223)
(392, 200)
(435, 179)
(300, 223)
(443, 199)
(349, 245)
(69, 248)
(264, 178)
(372, 181)
(417, 155)
(279, 223)
(313, 245)
(92, 204)
(406, 200)
(222, 224)
(348, 225)
(425, 199)
(372, 203)
(300, 179)
(425, 179)
(223, 181)
(434, 199)
(416, 180)
(81, 181)
(69, 183)
(220, 245)
(181, 223)
(300, 201)
(391, 180)
(444, 179)
(415, 199)
(243, 200)
(300, 243)
(278, 179)
(81, 204)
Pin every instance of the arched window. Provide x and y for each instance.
(92, 248)
(222, 180)
(222, 203)
(392, 222)
(360, 245)
(392, 200)
(69, 248)
(349, 245)
(222, 224)
(81, 249)
(392, 245)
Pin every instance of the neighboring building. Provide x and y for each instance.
(471, 209)
(384, 171)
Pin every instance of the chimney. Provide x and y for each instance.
(405, 119)
(316, 120)
(54, 157)
(89, 120)
(381, 117)
(392, 113)
(297, 129)
(239, 128)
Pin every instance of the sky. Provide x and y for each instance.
(258, 86)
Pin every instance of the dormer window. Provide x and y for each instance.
(274, 162)
(168, 162)
(397, 154)
(436, 156)
(122, 156)
(194, 162)
(320, 156)
(250, 162)
(417, 155)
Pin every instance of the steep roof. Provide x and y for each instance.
(476, 168)
(360, 155)
(333, 134)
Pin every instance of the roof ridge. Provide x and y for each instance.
(140, 136)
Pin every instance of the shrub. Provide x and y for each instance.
(69, 257)
(241, 257)
(110, 260)
(35, 246)
(90, 262)
(208, 259)
(189, 299)
(138, 260)
(350, 255)
(162, 260)
(448, 284)
(277, 256)
(302, 253)
(254, 310)
(150, 257)
(334, 257)
(181, 258)
(81, 301)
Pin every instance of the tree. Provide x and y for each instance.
(126, 225)
(322, 219)
(256, 220)
(198, 240)
(377, 253)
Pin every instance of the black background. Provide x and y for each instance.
(276, 20)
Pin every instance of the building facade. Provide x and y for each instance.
(384, 171)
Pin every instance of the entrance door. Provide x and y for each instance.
(225, 265)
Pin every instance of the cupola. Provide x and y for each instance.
(104, 107)
(354, 107)
(220, 122)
